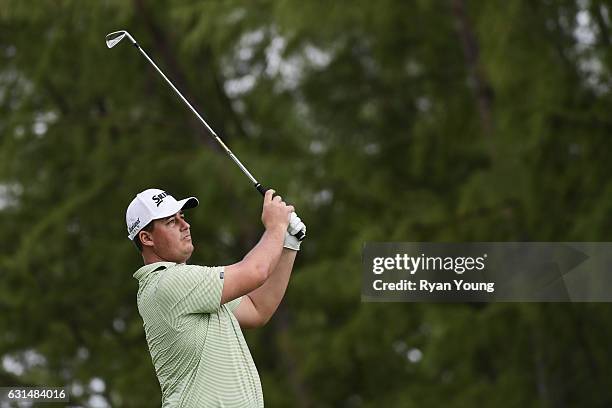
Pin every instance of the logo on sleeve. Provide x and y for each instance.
(159, 198)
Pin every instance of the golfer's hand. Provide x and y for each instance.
(295, 225)
(275, 213)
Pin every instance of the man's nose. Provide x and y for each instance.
(185, 224)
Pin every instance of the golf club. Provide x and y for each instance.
(115, 38)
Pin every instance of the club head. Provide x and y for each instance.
(115, 38)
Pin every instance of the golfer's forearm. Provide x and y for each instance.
(266, 253)
(268, 296)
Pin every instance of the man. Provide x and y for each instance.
(193, 314)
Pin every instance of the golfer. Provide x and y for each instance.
(193, 314)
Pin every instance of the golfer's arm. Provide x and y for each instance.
(267, 297)
(255, 268)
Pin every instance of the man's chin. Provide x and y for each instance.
(189, 252)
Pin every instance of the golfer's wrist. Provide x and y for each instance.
(279, 228)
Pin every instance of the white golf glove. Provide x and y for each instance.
(295, 225)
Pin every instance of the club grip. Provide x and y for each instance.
(300, 234)
(261, 189)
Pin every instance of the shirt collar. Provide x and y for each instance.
(146, 269)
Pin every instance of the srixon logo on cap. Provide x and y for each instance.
(159, 198)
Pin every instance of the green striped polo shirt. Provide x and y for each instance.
(200, 355)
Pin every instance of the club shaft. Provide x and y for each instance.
(195, 112)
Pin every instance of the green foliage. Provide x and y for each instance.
(373, 119)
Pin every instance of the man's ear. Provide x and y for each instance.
(146, 238)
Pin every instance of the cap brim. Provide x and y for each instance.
(188, 203)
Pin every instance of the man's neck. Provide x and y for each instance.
(152, 257)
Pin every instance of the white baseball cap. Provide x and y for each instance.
(153, 204)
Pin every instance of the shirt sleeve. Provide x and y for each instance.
(190, 289)
(233, 304)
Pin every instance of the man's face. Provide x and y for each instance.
(172, 238)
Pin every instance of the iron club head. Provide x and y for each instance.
(115, 38)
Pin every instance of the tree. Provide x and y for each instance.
(387, 121)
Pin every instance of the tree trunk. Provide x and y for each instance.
(482, 89)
